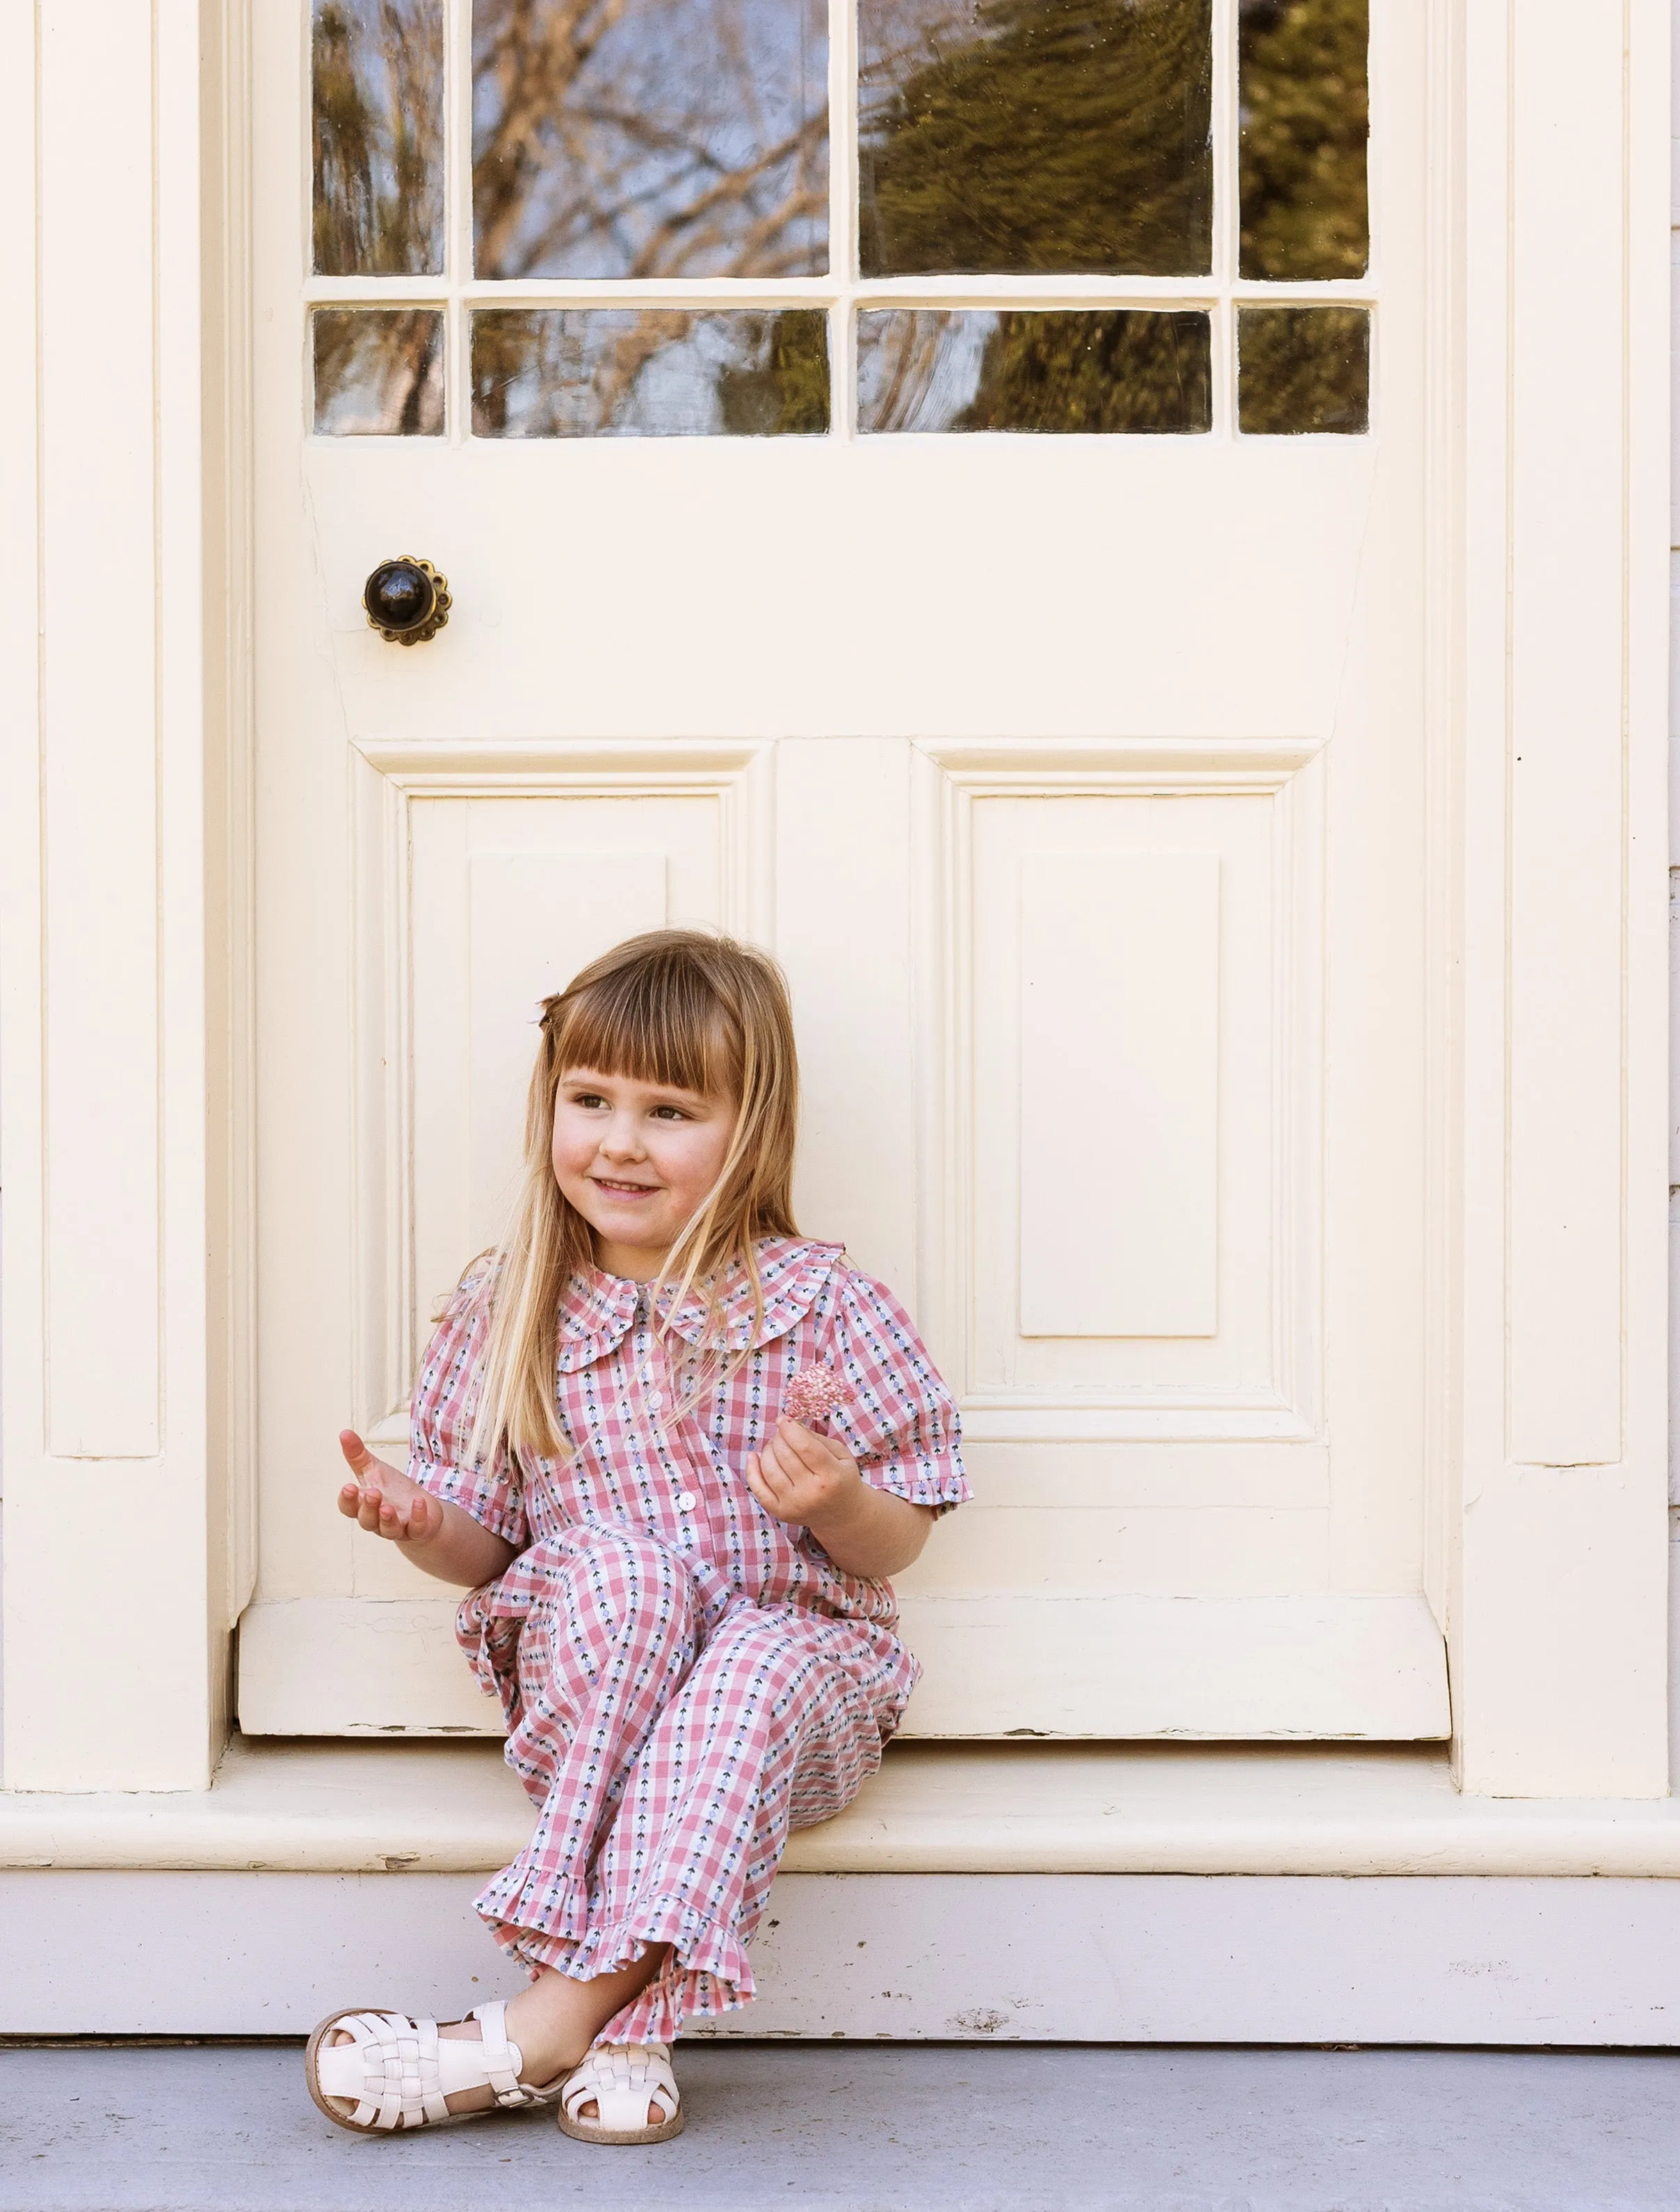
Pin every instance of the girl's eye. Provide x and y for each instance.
(670, 1113)
(589, 1099)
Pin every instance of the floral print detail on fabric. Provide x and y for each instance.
(815, 1393)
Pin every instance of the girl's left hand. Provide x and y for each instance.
(800, 1477)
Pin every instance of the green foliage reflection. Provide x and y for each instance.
(1304, 123)
(1072, 370)
(1067, 370)
(780, 390)
(1303, 369)
(1038, 135)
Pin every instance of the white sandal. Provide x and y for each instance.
(622, 2079)
(395, 2072)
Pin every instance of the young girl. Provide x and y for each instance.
(674, 1449)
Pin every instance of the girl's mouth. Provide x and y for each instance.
(625, 1189)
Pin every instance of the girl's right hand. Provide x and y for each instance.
(382, 1499)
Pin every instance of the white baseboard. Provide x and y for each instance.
(1080, 1958)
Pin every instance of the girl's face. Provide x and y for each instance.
(637, 1160)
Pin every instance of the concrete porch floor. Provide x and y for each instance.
(877, 2128)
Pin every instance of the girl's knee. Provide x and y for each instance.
(636, 1581)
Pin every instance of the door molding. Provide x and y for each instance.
(1285, 774)
(391, 780)
(126, 1080)
(1548, 584)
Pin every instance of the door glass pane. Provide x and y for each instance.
(649, 373)
(1008, 136)
(378, 372)
(377, 70)
(1305, 109)
(1302, 369)
(925, 368)
(650, 137)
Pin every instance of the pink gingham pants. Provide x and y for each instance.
(672, 1732)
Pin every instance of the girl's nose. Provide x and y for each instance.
(621, 1140)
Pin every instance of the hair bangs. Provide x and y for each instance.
(656, 1020)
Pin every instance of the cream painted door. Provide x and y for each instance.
(986, 568)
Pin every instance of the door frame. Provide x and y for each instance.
(127, 1082)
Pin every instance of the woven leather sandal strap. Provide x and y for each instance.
(399, 2072)
(621, 2080)
(400, 2087)
(501, 2057)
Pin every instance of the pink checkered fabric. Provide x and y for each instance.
(685, 1678)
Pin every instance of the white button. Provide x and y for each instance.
(687, 1500)
(652, 1401)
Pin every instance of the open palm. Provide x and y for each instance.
(383, 1500)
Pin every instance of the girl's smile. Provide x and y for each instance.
(637, 1160)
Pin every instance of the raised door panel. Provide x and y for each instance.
(1130, 993)
(1117, 1122)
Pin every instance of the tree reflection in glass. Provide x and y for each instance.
(377, 79)
(1009, 136)
(378, 372)
(649, 373)
(1301, 369)
(1304, 104)
(1075, 370)
(649, 137)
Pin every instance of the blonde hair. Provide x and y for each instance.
(675, 1006)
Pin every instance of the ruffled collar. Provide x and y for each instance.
(599, 1309)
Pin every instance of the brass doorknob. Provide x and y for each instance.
(407, 600)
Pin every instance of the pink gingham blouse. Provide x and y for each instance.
(623, 1370)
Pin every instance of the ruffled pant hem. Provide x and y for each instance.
(707, 1973)
(535, 1904)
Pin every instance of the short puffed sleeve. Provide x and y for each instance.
(897, 1420)
(441, 1413)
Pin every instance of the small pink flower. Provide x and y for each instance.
(813, 1393)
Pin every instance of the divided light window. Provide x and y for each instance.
(623, 218)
